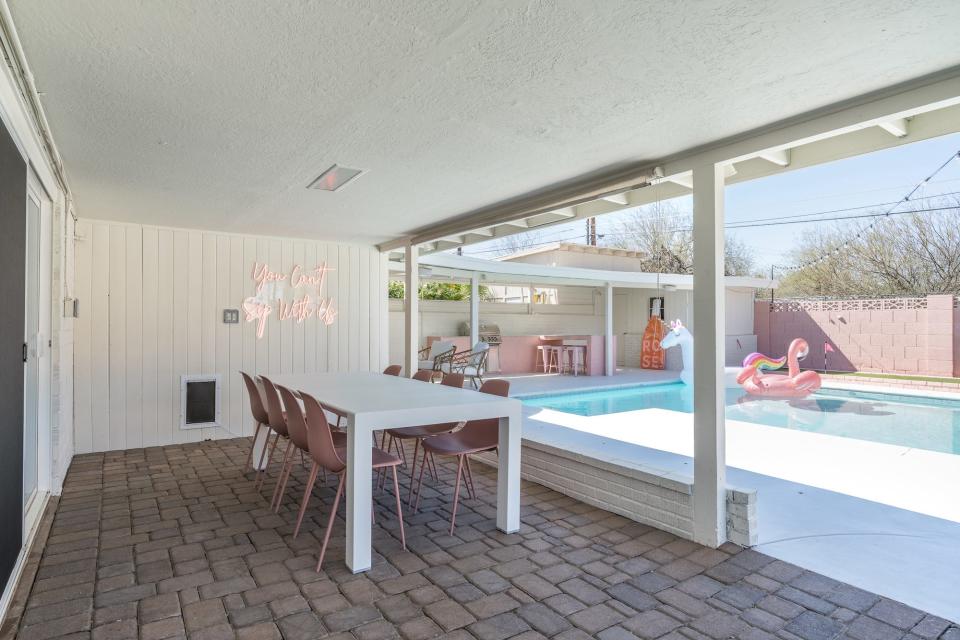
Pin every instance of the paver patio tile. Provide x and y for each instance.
(190, 549)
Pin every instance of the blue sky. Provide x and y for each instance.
(872, 180)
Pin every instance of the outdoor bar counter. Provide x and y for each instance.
(518, 354)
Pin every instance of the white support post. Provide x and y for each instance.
(411, 311)
(608, 355)
(709, 450)
(474, 309)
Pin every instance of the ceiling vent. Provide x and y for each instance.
(334, 178)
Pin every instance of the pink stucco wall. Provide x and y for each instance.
(908, 340)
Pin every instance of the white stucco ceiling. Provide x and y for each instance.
(218, 114)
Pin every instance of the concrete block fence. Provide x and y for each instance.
(892, 335)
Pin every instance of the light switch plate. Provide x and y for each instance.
(231, 316)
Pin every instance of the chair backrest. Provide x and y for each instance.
(440, 347)
(487, 431)
(393, 370)
(296, 426)
(452, 380)
(423, 375)
(274, 408)
(256, 399)
(318, 435)
(479, 353)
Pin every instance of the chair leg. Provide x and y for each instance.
(413, 468)
(253, 445)
(396, 492)
(456, 494)
(469, 478)
(306, 497)
(333, 516)
(416, 507)
(263, 472)
(278, 489)
(285, 469)
(433, 468)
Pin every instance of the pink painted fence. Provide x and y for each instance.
(891, 335)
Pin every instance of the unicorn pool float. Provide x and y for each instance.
(679, 335)
(796, 384)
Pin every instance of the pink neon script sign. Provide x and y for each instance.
(303, 305)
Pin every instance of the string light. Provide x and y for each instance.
(883, 216)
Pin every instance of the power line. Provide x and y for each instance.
(759, 222)
(879, 217)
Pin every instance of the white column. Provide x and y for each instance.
(609, 358)
(709, 447)
(474, 309)
(508, 471)
(411, 311)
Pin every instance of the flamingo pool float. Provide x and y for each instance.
(796, 384)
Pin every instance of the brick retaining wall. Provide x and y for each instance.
(660, 501)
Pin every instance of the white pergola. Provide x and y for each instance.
(895, 115)
(476, 270)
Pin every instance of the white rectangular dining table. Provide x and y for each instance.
(373, 401)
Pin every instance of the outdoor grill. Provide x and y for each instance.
(489, 333)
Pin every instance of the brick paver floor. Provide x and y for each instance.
(173, 542)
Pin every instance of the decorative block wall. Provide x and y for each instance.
(893, 335)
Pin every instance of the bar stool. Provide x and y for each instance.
(540, 361)
(574, 358)
(554, 358)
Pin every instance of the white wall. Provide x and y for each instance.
(580, 312)
(151, 301)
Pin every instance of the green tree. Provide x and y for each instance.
(437, 291)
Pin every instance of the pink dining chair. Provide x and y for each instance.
(327, 455)
(475, 437)
(417, 434)
(259, 415)
(297, 429)
(276, 420)
(393, 370)
(424, 375)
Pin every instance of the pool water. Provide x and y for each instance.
(910, 421)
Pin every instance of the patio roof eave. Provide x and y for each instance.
(463, 267)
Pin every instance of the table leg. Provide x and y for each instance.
(508, 474)
(359, 495)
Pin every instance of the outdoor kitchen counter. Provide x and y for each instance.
(518, 354)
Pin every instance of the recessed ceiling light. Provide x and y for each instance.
(334, 178)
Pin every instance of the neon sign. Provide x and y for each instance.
(308, 300)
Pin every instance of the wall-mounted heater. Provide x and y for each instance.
(199, 401)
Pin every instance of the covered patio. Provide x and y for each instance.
(202, 205)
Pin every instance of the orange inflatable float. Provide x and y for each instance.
(652, 355)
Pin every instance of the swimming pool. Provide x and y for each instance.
(910, 421)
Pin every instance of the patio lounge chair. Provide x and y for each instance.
(470, 364)
(434, 356)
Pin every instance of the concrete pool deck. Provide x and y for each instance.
(884, 518)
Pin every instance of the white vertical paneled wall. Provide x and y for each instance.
(151, 303)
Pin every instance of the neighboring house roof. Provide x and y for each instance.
(572, 247)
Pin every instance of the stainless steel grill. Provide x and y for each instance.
(489, 333)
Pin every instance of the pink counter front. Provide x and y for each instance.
(518, 354)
